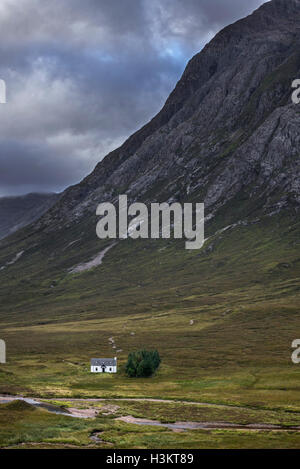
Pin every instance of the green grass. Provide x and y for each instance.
(175, 412)
(242, 290)
(24, 427)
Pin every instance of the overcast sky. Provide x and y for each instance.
(83, 75)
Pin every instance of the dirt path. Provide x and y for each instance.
(129, 399)
(206, 425)
(146, 399)
(176, 427)
(143, 399)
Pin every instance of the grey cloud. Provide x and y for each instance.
(35, 167)
(82, 76)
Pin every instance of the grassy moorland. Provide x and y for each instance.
(23, 426)
(223, 320)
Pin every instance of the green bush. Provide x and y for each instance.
(142, 363)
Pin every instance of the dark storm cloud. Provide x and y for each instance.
(81, 76)
(23, 168)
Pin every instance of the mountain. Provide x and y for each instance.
(228, 130)
(222, 317)
(17, 212)
(227, 136)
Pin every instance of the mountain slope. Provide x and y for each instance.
(228, 127)
(227, 135)
(17, 212)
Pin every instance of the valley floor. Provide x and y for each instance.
(223, 321)
(105, 423)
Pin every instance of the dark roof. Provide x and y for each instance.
(103, 362)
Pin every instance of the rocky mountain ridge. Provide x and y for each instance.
(228, 130)
(229, 136)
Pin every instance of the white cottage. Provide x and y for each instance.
(104, 365)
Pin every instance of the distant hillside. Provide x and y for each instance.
(17, 212)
